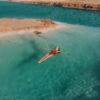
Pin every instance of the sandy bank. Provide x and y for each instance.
(37, 26)
(83, 4)
(9, 24)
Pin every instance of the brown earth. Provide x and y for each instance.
(83, 4)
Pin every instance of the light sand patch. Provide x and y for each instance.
(11, 26)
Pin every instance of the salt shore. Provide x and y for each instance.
(82, 4)
(20, 26)
(11, 24)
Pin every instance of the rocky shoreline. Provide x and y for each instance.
(81, 4)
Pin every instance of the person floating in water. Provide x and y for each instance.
(50, 54)
(55, 51)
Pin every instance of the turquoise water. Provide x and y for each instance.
(73, 16)
(73, 75)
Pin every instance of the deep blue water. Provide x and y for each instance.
(72, 75)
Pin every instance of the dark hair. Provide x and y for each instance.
(58, 49)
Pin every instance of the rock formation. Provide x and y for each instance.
(83, 4)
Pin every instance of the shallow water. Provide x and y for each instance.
(72, 75)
